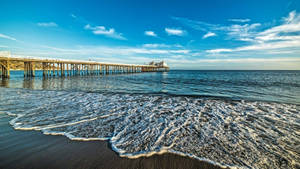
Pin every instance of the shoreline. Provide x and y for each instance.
(32, 149)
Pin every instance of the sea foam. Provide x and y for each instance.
(228, 133)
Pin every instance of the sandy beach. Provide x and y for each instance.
(33, 150)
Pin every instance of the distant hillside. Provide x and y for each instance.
(14, 65)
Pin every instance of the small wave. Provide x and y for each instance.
(235, 133)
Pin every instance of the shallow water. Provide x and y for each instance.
(235, 118)
(278, 86)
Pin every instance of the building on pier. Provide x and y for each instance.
(160, 64)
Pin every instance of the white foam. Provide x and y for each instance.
(225, 133)
(70, 136)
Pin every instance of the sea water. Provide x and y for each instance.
(246, 119)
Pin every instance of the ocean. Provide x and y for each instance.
(245, 119)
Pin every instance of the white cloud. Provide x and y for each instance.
(239, 32)
(209, 34)
(161, 45)
(150, 33)
(7, 37)
(176, 32)
(73, 16)
(101, 30)
(243, 60)
(197, 25)
(291, 17)
(292, 24)
(239, 20)
(270, 45)
(261, 47)
(155, 45)
(47, 24)
(274, 37)
(218, 50)
(281, 38)
(152, 51)
(278, 63)
(79, 19)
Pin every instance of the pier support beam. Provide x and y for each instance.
(5, 69)
(29, 69)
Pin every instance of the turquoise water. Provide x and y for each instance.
(278, 86)
(247, 119)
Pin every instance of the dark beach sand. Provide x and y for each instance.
(33, 150)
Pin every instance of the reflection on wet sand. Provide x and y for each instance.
(28, 83)
(4, 82)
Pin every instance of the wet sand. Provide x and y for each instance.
(33, 150)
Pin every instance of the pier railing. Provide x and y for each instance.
(52, 67)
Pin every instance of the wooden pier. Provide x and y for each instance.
(51, 67)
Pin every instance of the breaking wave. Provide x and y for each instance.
(244, 134)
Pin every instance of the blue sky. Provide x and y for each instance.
(214, 34)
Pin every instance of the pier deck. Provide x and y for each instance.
(52, 67)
